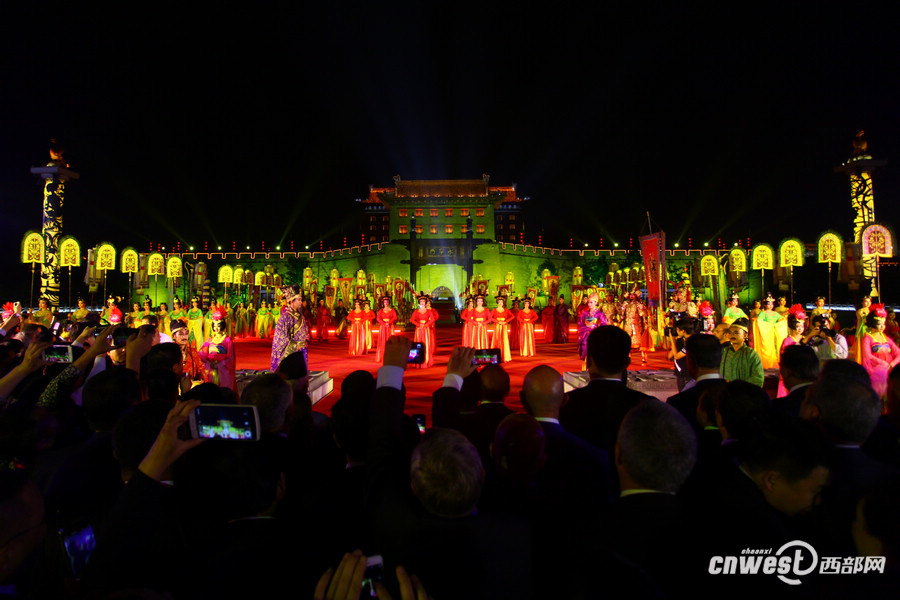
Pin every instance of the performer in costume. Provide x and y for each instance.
(263, 320)
(481, 318)
(251, 320)
(133, 319)
(468, 325)
(514, 325)
(178, 312)
(769, 331)
(148, 307)
(757, 308)
(80, 313)
(561, 321)
(880, 353)
(733, 311)
(240, 320)
(526, 319)
(43, 315)
(423, 318)
(796, 324)
(217, 352)
(192, 365)
(292, 330)
(782, 308)
(740, 361)
(207, 320)
(891, 328)
(861, 314)
(165, 322)
(548, 322)
(707, 317)
(357, 319)
(107, 310)
(370, 316)
(340, 320)
(385, 318)
(502, 318)
(195, 322)
(590, 319)
(323, 321)
(610, 308)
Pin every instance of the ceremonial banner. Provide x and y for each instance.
(379, 292)
(129, 261)
(553, 285)
(360, 291)
(877, 240)
(156, 264)
(314, 288)
(106, 257)
(69, 252)
(226, 274)
(830, 248)
(503, 290)
(577, 276)
(790, 253)
(173, 267)
(653, 250)
(481, 287)
(709, 266)
(737, 260)
(345, 284)
(577, 295)
(238, 277)
(762, 257)
(532, 295)
(330, 295)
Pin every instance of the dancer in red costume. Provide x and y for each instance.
(502, 318)
(370, 316)
(423, 318)
(357, 320)
(385, 318)
(468, 325)
(526, 319)
(481, 318)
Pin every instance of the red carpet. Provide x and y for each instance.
(332, 356)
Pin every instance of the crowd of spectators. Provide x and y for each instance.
(597, 492)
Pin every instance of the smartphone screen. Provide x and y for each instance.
(61, 353)
(225, 421)
(416, 353)
(374, 573)
(420, 421)
(487, 356)
(79, 544)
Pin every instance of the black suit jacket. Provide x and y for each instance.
(479, 426)
(790, 405)
(595, 411)
(686, 401)
(577, 474)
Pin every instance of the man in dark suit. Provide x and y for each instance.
(491, 384)
(595, 411)
(704, 355)
(846, 411)
(799, 369)
(577, 471)
(655, 453)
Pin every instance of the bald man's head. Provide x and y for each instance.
(542, 392)
(494, 384)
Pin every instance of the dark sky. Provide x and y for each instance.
(265, 123)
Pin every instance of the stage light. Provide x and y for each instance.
(248, 247)
(706, 244)
(220, 247)
(307, 247)
(585, 245)
(615, 244)
(676, 244)
(278, 247)
(192, 248)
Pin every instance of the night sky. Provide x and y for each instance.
(265, 123)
